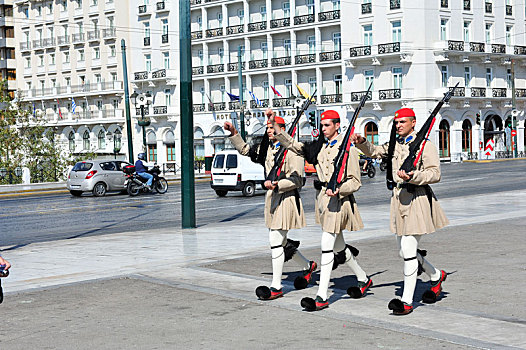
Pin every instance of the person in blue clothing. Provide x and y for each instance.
(141, 170)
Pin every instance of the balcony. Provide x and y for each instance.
(330, 56)
(164, 39)
(467, 5)
(278, 23)
(263, 103)
(388, 48)
(281, 102)
(63, 40)
(233, 105)
(25, 46)
(256, 64)
(390, 94)
(498, 48)
(198, 34)
(488, 7)
(161, 6)
(198, 70)
(49, 42)
(195, 2)
(520, 93)
(198, 107)
(215, 68)
(147, 41)
(221, 106)
(454, 45)
(498, 92)
(78, 38)
(509, 10)
(357, 96)
(146, 111)
(367, 8)
(330, 15)
(281, 61)
(360, 51)
(520, 50)
(253, 27)
(478, 92)
(394, 4)
(37, 44)
(235, 29)
(158, 74)
(232, 67)
(302, 59)
(109, 33)
(329, 99)
(112, 113)
(94, 35)
(305, 19)
(160, 110)
(140, 75)
(477, 47)
(444, 4)
(459, 91)
(210, 33)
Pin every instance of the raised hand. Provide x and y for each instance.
(357, 138)
(229, 127)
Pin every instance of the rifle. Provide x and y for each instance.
(340, 161)
(389, 158)
(279, 158)
(412, 159)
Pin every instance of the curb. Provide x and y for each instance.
(492, 160)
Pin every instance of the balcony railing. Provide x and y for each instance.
(140, 75)
(63, 40)
(520, 50)
(37, 44)
(215, 68)
(498, 48)
(489, 7)
(233, 105)
(198, 70)
(198, 34)
(394, 4)
(302, 59)
(444, 4)
(278, 23)
(161, 73)
(161, 5)
(388, 48)
(509, 10)
(199, 107)
(25, 46)
(146, 111)
(210, 33)
(143, 9)
(108, 33)
(255, 64)
(221, 106)
(357, 96)
(498, 92)
(389, 94)
(160, 110)
(329, 15)
(281, 102)
(326, 99)
(235, 29)
(478, 92)
(78, 38)
(164, 39)
(304, 19)
(360, 51)
(48, 42)
(252, 27)
(477, 47)
(195, 2)
(232, 67)
(330, 56)
(281, 61)
(459, 91)
(520, 92)
(467, 5)
(263, 103)
(367, 8)
(454, 45)
(93, 35)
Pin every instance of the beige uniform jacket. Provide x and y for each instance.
(335, 214)
(281, 209)
(412, 213)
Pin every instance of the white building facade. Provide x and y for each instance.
(7, 46)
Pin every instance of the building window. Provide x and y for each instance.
(81, 55)
(85, 141)
(466, 136)
(64, 5)
(221, 54)
(152, 153)
(310, 7)
(488, 33)
(288, 87)
(286, 9)
(220, 18)
(286, 45)
(113, 51)
(396, 28)
(312, 44)
(168, 97)
(79, 3)
(263, 11)
(312, 85)
(467, 26)
(66, 56)
(165, 26)
(96, 53)
(39, 11)
(336, 41)
(241, 16)
(166, 60)
(368, 35)
(222, 89)
(28, 62)
(337, 84)
(489, 76)
(369, 79)
(71, 141)
(371, 133)
(265, 89)
(335, 5)
(467, 77)
(443, 142)
(41, 60)
(443, 29)
(146, 29)
(101, 139)
(148, 62)
(509, 30)
(444, 75)
(170, 152)
(397, 78)
(508, 78)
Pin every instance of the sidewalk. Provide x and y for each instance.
(195, 288)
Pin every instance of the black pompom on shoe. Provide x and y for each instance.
(429, 297)
(263, 292)
(400, 308)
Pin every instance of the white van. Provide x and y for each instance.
(234, 172)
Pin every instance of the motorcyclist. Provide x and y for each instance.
(142, 171)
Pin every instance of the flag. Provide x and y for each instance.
(73, 105)
(304, 93)
(276, 92)
(258, 102)
(59, 111)
(211, 104)
(232, 97)
(34, 110)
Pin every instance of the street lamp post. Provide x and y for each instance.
(142, 100)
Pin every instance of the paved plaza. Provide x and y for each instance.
(194, 289)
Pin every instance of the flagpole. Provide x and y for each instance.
(242, 107)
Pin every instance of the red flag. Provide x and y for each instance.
(59, 111)
(275, 91)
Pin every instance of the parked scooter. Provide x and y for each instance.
(136, 184)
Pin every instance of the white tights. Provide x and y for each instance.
(279, 238)
(333, 243)
(408, 251)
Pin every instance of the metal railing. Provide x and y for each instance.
(520, 92)
(143, 9)
(215, 68)
(467, 5)
(509, 10)
(520, 50)
(459, 91)
(478, 92)
(329, 15)
(263, 103)
(198, 34)
(281, 102)
(109, 33)
(455, 45)
(198, 70)
(360, 51)
(334, 98)
(444, 3)
(172, 167)
(93, 35)
(367, 8)
(389, 94)
(195, 2)
(235, 29)
(304, 19)
(233, 105)
(146, 111)
(330, 56)
(140, 75)
(161, 73)
(48, 42)
(255, 64)
(210, 33)
(78, 38)
(302, 59)
(25, 46)
(388, 48)
(394, 4)
(221, 106)
(281, 22)
(63, 40)
(477, 47)
(161, 5)
(281, 61)
(37, 44)
(164, 39)
(147, 41)
(252, 27)
(199, 107)
(498, 48)
(498, 92)
(357, 96)
(488, 7)
(232, 67)
(160, 110)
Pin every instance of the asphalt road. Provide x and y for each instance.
(24, 220)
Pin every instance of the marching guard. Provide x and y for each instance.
(283, 208)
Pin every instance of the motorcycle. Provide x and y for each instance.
(135, 184)
(369, 170)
